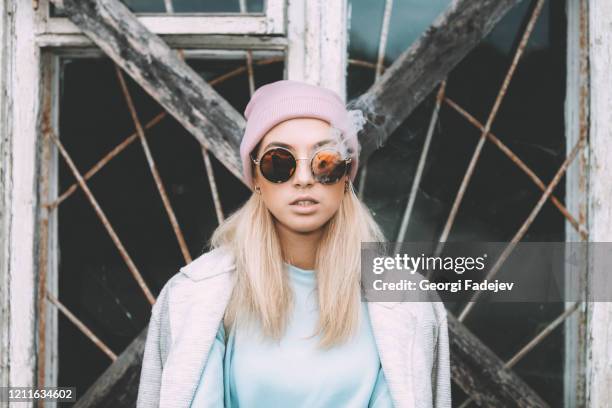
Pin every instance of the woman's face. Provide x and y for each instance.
(302, 136)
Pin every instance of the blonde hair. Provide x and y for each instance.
(262, 292)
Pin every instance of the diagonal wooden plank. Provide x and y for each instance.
(118, 385)
(482, 375)
(163, 74)
(416, 72)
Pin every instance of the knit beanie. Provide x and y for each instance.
(278, 101)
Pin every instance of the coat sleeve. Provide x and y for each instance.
(440, 376)
(152, 360)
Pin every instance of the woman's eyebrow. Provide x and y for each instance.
(285, 145)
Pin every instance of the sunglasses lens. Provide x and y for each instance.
(277, 165)
(328, 166)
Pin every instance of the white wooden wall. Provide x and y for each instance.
(318, 38)
(599, 314)
(6, 23)
(20, 112)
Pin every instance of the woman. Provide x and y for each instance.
(272, 315)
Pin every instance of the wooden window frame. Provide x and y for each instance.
(33, 44)
(269, 22)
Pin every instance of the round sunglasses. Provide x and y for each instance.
(278, 165)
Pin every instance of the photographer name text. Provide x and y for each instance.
(466, 284)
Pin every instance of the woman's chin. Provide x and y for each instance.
(304, 225)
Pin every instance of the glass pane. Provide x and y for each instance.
(500, 195)
(409, 18)
(185, 6)
(94, 280)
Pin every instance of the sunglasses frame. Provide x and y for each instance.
(347, 161)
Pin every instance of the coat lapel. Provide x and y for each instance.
(196, 310)
(394, 332)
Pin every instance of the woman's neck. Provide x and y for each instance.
(299, 248)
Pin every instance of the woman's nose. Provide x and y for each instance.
(303, 174)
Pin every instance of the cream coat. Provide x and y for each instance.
(411, 337)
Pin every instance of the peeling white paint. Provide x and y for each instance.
(318, 38)
(22, 233)
(599, 314)
(6, 24)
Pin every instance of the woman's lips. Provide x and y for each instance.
(305, 207)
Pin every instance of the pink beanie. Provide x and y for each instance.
(278, 101)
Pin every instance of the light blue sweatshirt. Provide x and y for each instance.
(254, 372)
